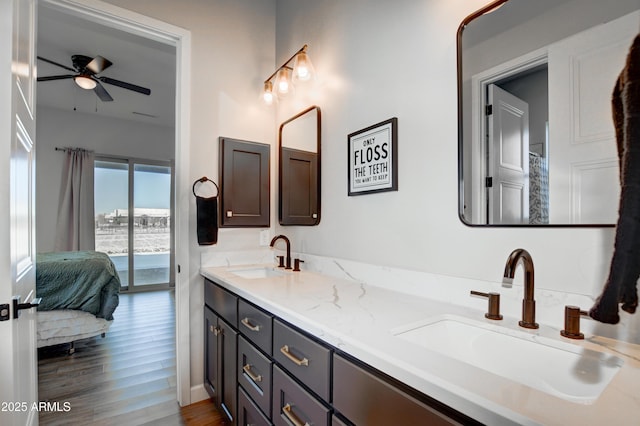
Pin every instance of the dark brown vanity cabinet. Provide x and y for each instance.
(245, 183)
(220, 345)
(260, 370)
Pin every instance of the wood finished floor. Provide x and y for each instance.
(127, 378)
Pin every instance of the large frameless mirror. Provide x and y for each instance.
(536, 138)
(299, 163)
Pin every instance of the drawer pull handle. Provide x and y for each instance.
(293, 358)
(247, 323)
(292, 417)
(247, 370)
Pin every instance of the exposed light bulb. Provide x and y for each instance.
(267, 94)
(268, 98)
(283, 81)
(302, 68)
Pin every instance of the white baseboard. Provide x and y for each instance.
(198, 393)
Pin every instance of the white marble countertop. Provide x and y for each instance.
(359, 319)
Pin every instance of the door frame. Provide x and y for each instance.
(144, 26)
(479, 83)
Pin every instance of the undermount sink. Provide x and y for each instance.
(257, 272)
(561, 369)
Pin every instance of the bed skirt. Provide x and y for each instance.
(66, 325)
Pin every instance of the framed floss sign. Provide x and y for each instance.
(373, 158)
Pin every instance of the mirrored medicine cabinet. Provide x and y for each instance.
(299, 168)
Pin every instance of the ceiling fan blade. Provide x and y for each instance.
(55, 77)
(124, 85)
(98, 64)
(102, 93)
(56, 64)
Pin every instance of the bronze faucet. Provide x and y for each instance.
(528, 303)
(572, 316)
(286, 240)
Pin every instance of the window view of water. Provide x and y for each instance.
(149, 240)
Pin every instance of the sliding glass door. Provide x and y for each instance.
(134, 220)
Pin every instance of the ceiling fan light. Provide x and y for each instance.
(85, 82)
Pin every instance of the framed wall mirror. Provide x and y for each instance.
(299, 168)
(536, 139)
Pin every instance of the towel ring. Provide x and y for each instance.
(202, 180)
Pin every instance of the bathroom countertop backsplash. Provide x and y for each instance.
(455, 290)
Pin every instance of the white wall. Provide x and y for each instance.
(378, 59)
(109, 136)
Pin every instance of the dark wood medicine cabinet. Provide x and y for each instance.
(244, 183)
(299, 140)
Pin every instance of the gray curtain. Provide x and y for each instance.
(76, 223)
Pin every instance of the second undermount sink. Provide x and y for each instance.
(560, 369)
(257, 272)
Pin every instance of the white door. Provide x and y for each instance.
(18, 358)
(583, 163)
(508, 158)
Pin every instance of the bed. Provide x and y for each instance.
(79, 292)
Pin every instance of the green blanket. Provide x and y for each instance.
(81, 280)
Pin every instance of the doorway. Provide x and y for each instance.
(517, 148)
(509, 76)
(129, 22)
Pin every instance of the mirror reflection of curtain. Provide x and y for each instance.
(538, 189)
(76, 222)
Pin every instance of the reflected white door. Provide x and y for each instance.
(583, 163)
(18, 358)
(508, 158)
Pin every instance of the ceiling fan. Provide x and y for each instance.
(86, 76)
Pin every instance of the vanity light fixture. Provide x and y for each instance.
(85, 82)
(280, 83)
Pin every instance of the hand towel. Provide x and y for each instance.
(206, 216)
(621, 285)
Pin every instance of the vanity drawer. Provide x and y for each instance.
(248, 413)
(366, 399)
(221, 301)
(256, 325)
(294, 405)
(254, 374)
(307, 360)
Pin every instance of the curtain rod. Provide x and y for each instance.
(65, 149)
